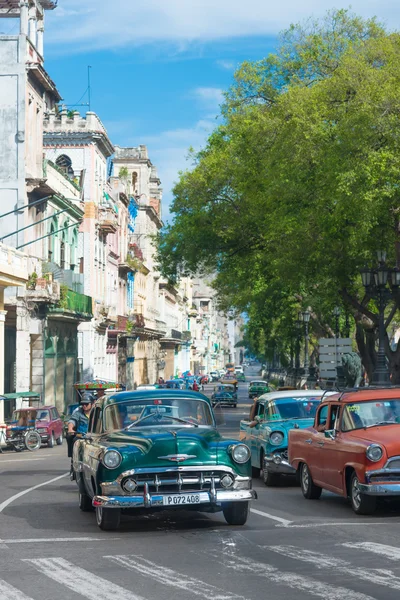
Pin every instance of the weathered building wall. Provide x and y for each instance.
(12, 131)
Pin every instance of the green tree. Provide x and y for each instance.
(299, 186)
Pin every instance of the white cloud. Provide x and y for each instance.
(168, 151)
(228, 65)
(208, 97)
(100, 24)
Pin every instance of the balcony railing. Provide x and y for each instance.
(73, 302)
(108, 220)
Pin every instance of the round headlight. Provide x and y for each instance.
(241, 453)
(374, 452)
(276, 438)
(112, 459)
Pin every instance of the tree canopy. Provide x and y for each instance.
(299, 187)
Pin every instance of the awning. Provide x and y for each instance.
(17, 395)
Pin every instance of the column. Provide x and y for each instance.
(23, 356)
(23, 5)
(32, 25)
(2, 322)
(40, 36)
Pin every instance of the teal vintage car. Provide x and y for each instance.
(258, 387)
(224, 395)
(266, 432)
(160, 450)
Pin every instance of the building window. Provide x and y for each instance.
(65, 164)
(62, 255)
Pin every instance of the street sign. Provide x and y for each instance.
(331, 351)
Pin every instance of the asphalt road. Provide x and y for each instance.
(290, 548)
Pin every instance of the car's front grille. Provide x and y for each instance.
(284, 454)
(190, 481)
(386, 477)
(393, 463)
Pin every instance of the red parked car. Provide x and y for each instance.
(47, 422)
(353, 449)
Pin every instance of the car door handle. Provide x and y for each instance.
(309, 441)
(320, 443)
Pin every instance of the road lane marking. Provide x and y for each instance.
(390, 552)
(383, 577)
(284, 522)
(8, 592)
(294, 525)
(79, 580)
(20, 460)
(59, 539)
(166, 576)
(4, 504)
(311, 586)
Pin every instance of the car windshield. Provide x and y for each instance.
(263, 383)
(368, 414)
(164, 412)
(302, 407)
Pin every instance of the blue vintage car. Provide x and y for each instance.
(266, 432)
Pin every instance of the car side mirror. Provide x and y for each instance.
(330, 434)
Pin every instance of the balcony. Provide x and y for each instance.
(172, 335)
(107, 220)
(72, 305)
(13, 267)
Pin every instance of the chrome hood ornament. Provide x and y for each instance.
(177, 457)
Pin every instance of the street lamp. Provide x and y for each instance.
(336, 312)
(298, 341)
(375, 283)
(306, 319)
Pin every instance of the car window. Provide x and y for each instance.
(97, 423)
(55, 414)
(43, 415)
(272, 412)
(157, 412)
(333, 422)
(90, 424)
(323, 415)
(358, 415)
(261, 410)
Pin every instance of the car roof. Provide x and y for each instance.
(158, 393)
(292, 394)
(365, 394)
(259, 381)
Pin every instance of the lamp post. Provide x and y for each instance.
(375, 282)
(298, 341)
(336, 312)
(306, 319)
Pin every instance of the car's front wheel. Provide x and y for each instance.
(360, 503)
(270, 479)
(308, 487)
(85, 502)
(236, 513)
(108, 519)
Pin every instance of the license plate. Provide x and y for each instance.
(181, 499)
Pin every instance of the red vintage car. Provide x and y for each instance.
(353, 448)
(48, 423)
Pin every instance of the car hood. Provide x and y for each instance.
(385, 435)
(289, 424)
(188, 446)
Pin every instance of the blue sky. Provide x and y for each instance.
(159, 66)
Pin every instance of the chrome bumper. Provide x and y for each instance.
(380, 489)
(274, 463)
(147, 500)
